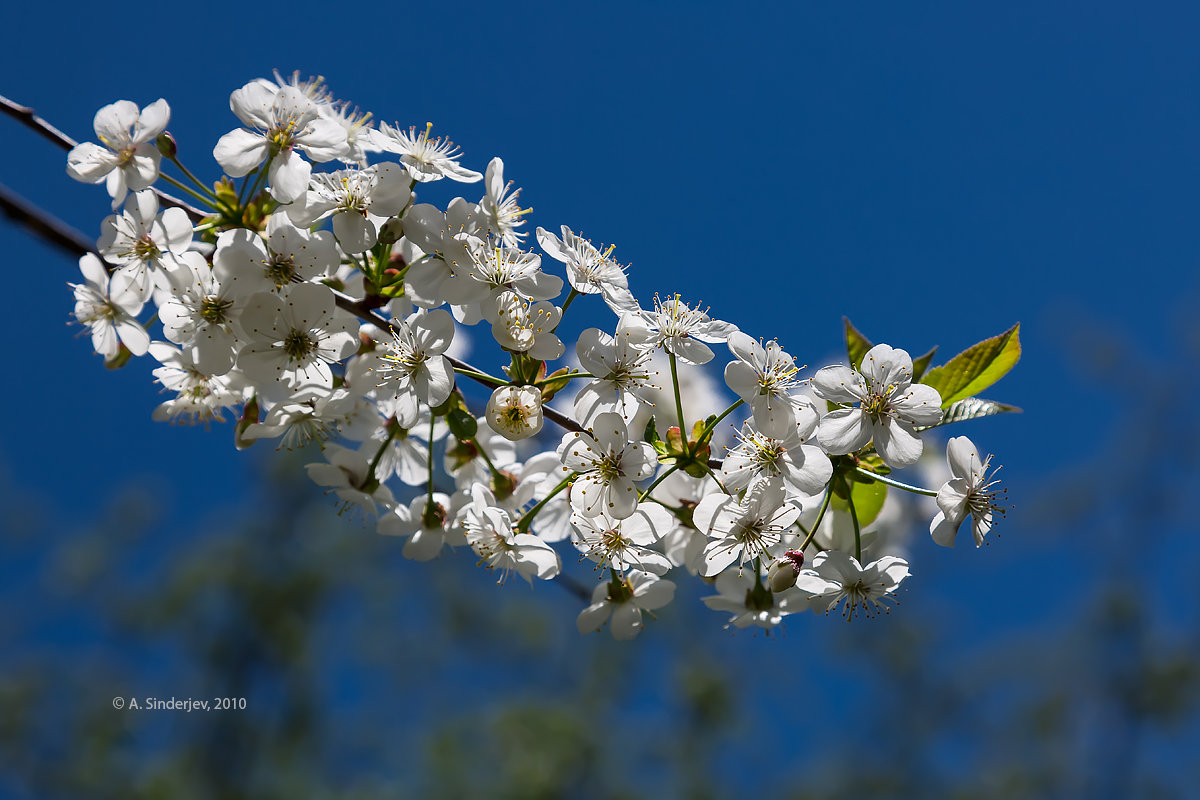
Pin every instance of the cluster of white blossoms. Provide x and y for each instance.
(318, 301)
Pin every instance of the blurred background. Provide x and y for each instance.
(937, 172)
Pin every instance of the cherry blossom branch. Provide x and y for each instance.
(43, 225)
(29, 118)
(57, 233)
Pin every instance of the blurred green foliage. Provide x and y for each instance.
(368, 676)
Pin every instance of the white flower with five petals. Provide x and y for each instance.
(109, 305)
(970, 492)
(836, 576)
(608, 463)
(624, 602)
(129, 159)
(676, 327)
(426, 159)
(765, 378)
(889, 406)
(740, 531)
(279, 124)
(590, 269)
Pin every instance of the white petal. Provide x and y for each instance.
(883, 365)
(839, 384)
(963, 457)
(898, 444)
(288, 176)
(844, 431)
(240, 151)
(354, 232)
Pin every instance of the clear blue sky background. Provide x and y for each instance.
(936, 171)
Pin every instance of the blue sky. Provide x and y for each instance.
(936, 171)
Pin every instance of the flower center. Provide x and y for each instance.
(299, 345)
(213, 310)
(609, 467)
(280, 270)
(145, 249)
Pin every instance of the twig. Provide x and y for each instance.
(45, 226)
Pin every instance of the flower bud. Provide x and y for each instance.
(782, 575)
(503, 484)
(515, 412)
(249, 417)
(391, 231)
(165, 143)
(119, 358)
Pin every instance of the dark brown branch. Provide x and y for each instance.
(43, 225)
(27, 117)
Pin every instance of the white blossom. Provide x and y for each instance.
(676, 327)
(425, 524)
(971, 491)
(358, 200)
(625, 601)
(279, 125)
(836, 576)
(765, 378)
(743, 530)
(608, 463)
(129, 159)
(515, 412)
(742, 595)
(291, 339)
(348, 475)
(489, 531)
(889, 406)
(427, 159)
(499, 207)
(624, 543)
(590, 269)
(145, 245)
(109, 306)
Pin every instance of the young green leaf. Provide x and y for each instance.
(868, 501)
(921, 363)
(977, 367)
(857, 345)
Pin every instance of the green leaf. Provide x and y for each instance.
(462, 424)
(651, 433)
(857, 345)
(554, 383)
(972, 408)
(977, 367)
(699, 428)
(921, 363)
(868, 501)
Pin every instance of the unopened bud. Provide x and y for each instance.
(120, 358)
(434, 515)
(782, 575)
(504, 483)
(391, 231)
(249, 417)
(165, 143)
